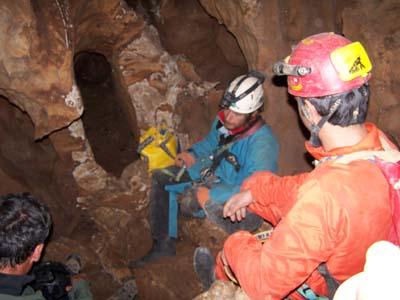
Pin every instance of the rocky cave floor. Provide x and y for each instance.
(165, 278)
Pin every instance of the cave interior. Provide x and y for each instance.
(82, 80)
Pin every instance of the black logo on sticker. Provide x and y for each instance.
(357, 66)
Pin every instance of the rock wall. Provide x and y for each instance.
(41, 115)
(45, 148)
(376, 25)
(211, 48)
(36, 64)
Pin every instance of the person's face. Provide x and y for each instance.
(234, 120)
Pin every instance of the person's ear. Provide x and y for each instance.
(37, 253)
(254, 114)
(310, 112)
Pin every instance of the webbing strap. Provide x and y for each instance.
(331, 282)
(222, 153)
(315, 128)
(308, 294)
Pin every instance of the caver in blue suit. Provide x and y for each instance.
(223, 160)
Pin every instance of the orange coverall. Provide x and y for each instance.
(331, 214)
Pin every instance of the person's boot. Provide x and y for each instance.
(74, 263)
(160, 248)
(214, 212)
(204, 266)
(127, 291)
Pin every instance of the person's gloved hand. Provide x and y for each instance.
(184, 157)
(203, 195)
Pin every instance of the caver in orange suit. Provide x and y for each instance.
(332, 214)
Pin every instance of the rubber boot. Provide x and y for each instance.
(204, 266)
(160, 248)
(214, 212)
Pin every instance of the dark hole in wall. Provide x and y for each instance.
(106, 123)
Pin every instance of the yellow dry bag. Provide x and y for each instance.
(158, 146)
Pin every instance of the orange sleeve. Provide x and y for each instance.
(300, 242)
(273, 195)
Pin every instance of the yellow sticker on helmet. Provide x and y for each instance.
(351, 61)
(296, 87)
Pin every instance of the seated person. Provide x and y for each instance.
(24, 227)
(324, 220)
(238, 144)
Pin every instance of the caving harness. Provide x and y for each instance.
(222, 152)
(207, 176)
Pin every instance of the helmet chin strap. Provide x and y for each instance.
(315, 128)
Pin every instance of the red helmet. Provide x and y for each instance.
(325, 64)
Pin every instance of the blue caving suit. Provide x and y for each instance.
(255, 152)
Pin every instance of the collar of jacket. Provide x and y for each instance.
(221, 118)
(370, 142)
(13, 284)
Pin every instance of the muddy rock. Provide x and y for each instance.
(224, 291)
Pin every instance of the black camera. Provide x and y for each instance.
(52, 278)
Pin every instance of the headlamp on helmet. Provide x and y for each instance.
(245, 93)
(281, 68)
(325, 64)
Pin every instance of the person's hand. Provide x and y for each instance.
(184, 158)
(235, 208)
(74, 279)
(202, 195)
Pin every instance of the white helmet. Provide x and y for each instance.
(245, 93)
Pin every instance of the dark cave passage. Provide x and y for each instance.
(112, 137)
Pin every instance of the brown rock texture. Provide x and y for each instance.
(36, 61)
(94, 211)
(224, 291)
(210, 47)
(163, 64)
(380, 35)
